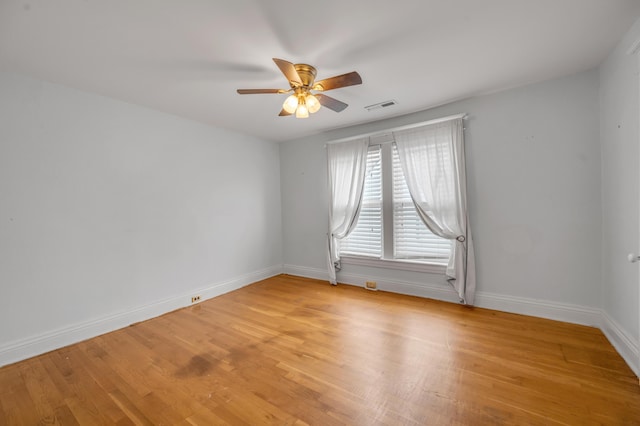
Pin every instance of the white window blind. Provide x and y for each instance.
(366, 238)
(412, 239)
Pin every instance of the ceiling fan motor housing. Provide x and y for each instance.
(307, 74)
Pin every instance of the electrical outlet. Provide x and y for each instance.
(195, 299)
(371, 285)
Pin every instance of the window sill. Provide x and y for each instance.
(404, 265)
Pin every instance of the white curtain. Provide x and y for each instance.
(433, 162)
(347, 162)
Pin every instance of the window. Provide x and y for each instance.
(389, 228)
(366, 237)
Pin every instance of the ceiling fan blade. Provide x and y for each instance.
(289, 71)
(344, 80)
(254, 91)
(284, 113)
(331, 103)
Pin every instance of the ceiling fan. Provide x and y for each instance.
(303, 101)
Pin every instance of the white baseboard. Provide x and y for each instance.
(566, 312)
(427, 290)
(575, 314)
(303, 271)
(626, 346)
(35, 345)
(518, 305)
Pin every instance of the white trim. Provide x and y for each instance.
(35, 345)
(399, 128)
(405, 265)
(427, 290)
(303, 271)
(574, 314)
(626, 346)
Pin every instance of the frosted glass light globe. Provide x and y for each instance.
(290, 104)
(302, 111)
(313, 105)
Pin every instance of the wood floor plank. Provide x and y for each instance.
(296, 351)
(42, 391)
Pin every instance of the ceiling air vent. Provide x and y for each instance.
(385, 104)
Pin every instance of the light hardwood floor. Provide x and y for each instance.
(295, 351)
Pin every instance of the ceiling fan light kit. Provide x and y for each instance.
(301, 104)
(301, 79)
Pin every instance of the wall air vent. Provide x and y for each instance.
(385, 104)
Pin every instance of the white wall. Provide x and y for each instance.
(111, 213)
(619, 103)
(533, 156)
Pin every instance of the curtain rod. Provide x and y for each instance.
(396, 129)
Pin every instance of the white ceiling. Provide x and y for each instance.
(188, 57)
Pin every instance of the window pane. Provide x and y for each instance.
(412, 239)
(366, 238)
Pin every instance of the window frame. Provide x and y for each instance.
(401, 264)
(388, 261)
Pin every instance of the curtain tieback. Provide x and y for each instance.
(461, 238)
